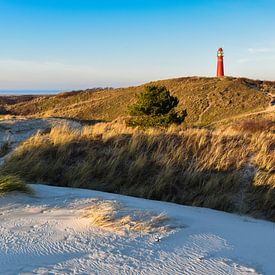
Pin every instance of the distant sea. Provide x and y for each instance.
(28, 92)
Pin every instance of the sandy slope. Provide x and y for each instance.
(19, 129)
(22, 128)
(48, 234)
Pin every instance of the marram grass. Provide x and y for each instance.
(229, 169)
(13, 184)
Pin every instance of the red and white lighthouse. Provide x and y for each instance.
(220, 69)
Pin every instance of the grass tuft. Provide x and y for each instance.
(111, 216)
(13, 184)
(5, 148)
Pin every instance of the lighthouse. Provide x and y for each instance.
(220, 69)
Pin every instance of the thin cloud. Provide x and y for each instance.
(36, 74)
(261, 50)
(244, 60)
(256, 59)
(49, 74)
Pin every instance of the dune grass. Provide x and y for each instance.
(206, 99)
(230, 168)
(13, 184)
(5, 148)
(112, 216)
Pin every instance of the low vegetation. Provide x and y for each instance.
(5, 148)
(13, 184)
(230, 168)
(221, 157)
(111, 216)
(206, 100)
(155, 108)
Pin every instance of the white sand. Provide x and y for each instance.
(47, 234)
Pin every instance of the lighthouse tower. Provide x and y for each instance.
(220, 69)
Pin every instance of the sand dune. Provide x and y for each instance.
(48, 234)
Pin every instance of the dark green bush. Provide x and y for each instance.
(155, 107)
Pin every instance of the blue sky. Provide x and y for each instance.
(71, 44)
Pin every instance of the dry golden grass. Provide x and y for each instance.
(207, 100)
(112, 216)
(200, 167)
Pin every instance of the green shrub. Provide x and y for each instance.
(155, 107)
(13, 183)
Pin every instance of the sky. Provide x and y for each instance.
(78, 44)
